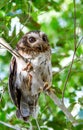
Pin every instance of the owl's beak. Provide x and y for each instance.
(40, 47)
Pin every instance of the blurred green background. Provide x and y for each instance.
(56, 19)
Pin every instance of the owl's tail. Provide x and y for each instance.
(23, 113)
(26, 110)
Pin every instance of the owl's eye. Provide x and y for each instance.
(32, 39)
(45, 39)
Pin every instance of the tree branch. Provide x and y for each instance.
(15, 53)
(59, 103)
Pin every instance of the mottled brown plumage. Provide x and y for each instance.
(28, 77)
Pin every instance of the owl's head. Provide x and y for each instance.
(34, 41)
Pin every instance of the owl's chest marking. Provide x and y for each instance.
(32, 75)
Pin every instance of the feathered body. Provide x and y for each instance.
(26, 79)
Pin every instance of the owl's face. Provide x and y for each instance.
(34, 41)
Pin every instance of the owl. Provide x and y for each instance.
(31, 73)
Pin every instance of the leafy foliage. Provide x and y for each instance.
(56, 19)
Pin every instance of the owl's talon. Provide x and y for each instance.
(48, 88)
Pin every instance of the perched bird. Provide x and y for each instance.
(30, 72)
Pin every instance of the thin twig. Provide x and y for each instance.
(75, 43)
(75, 60)
(79, 43)
(37, 124)
(10, 126)
(68, 75)
(62, 69)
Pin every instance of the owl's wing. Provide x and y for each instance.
(13, 89)
(24, 110)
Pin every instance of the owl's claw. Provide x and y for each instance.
(48, 88)
(45, 88)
